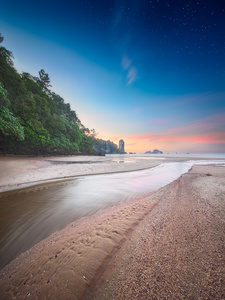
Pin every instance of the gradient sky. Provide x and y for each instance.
(150, 72)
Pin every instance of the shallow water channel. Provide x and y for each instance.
(29, 215)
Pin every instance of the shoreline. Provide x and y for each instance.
(87, 258)
(18, 172)
(45, 208)
(61, 179)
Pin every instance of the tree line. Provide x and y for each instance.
(35, 120)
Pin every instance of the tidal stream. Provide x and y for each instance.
(29, 215)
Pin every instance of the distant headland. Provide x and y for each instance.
(108, 147)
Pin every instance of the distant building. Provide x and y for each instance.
(121, 146)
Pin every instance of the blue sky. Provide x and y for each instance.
(150, 72)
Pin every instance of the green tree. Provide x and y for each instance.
(1, 38)
(6, 55)
(34, 119)
(9, 124)
(44, 80)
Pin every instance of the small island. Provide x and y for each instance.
(154, 152)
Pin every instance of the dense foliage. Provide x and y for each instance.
(34, 120)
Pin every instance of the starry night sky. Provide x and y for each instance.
(150, 72)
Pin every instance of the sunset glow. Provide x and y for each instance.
(149, 72)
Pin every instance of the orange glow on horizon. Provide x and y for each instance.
(169, 142)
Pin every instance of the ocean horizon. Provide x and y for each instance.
(192, 155)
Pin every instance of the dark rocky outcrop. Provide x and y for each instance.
(107, 147)
(154, 152)
(121, 146)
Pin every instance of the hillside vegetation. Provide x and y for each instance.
(35, 120)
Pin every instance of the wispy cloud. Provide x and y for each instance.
(208, 124)
(131, 71)
(206, 134)
(213, 138)
(118, 17)
(210, 129)
(131, 75)
(199, 98)
(126, 62)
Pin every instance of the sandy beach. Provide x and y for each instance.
(166, 245)
(23, 171)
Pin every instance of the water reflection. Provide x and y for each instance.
(29, 215)
(122, 161)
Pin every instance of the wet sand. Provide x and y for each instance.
(166, 245)
(23, 171)
(31, 214)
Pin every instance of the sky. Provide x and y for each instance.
(149, 72)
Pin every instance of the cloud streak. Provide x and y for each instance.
(131, 75)
(126, 62)
(208, 130)
(131, 71)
